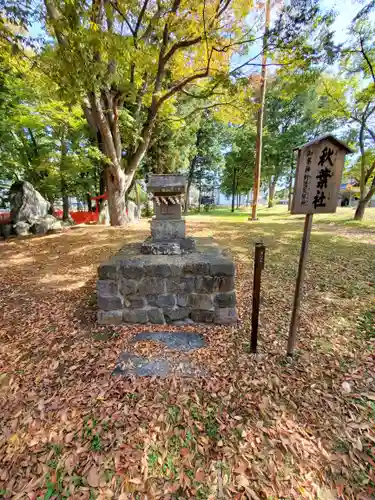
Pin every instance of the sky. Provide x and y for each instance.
(346, 11)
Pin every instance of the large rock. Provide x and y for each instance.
(133, 212)
(21, 228)
(45, 224)
(26, 203)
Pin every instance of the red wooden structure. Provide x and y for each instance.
(79, 216)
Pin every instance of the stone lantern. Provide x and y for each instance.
(167, 226)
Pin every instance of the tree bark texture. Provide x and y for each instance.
(271, 192)
(259, 138)
(63, 184)
(234, 183)
(360, 210)
(65, 207)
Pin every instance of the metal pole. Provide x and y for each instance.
(260, 250)
(299, 282)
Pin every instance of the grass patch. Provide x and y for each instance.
(366, 324)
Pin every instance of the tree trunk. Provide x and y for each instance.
(271, 192)
(199, 197)
(290, 188)
(238, 201)
(63, 184)
(360, 210)
(51, 209)
(362, 180)
(65, 207)
(234, 188)
(116, 189)
(187, 194)
(259, 138)
(363, 202)
(89, 202)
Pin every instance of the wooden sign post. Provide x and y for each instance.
(318, 176)
(260, 251)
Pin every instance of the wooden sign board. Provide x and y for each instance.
(318, 176)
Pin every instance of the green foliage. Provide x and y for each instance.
(42, 139)
(210, 143)
(350, 97)
(291, 119)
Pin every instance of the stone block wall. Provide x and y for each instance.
(163, 288)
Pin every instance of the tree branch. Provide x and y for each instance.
(367, 59)
(371, 192)
(140, 17)
(55, 16)
(369, 173)
(203, 108)
(181, 45)
(118, 10)
(180, 85)
(154, 18)
(223, 8)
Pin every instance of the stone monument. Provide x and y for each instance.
(169, 277)
(167, 227)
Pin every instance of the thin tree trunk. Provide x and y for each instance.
(187, 194)
(360, 210)
(199, 196)
(234, 188)
(362, 203)
(189, 183)
(259, 138)
(290, 193)
(362, 180)
(89, 202)
(271, 192)
(63, 184)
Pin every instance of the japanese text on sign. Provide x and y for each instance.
(318, 177)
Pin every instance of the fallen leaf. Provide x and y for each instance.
(200, 476)
(242, 481)
(358, 445)
(346, 387)
(93, 477)
(69, 437)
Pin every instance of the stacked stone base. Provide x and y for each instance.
(170, 247)
(138, 288)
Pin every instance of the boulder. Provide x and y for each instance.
(133, 212)
(22, 228)
(56, 226)
(44, 224)
(26, 202)
(5, 230)
(40, 226)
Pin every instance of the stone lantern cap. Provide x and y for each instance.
(167, 183)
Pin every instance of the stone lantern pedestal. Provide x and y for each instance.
(169, 277)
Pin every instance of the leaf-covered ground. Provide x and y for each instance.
(264, 427)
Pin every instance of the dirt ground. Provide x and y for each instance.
(257, 427)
